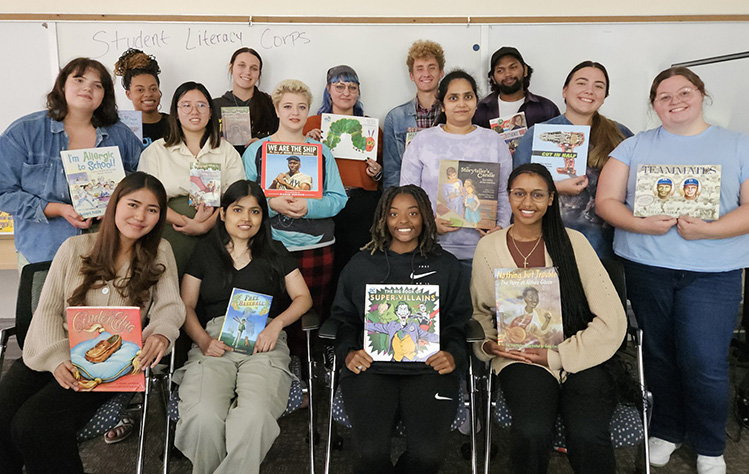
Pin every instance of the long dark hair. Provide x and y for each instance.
(99, 266)
(381, 237)
(263, 248)
(176, 135)
(445, 84)
(576, 312)
(104, 115)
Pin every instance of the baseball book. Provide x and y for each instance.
(246, 317)
(678, 190)
(294, 169)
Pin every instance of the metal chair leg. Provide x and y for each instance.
(328, 444)
(472, 414)
(142, 433)
(645, 400)
(488, 422)
(168, 441)
(311, 407)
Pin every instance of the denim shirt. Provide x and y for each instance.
(397, 123)
(32, 176)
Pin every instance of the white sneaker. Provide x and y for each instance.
(660, 451)
(711, 465)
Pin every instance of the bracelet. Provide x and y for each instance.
(378, 176)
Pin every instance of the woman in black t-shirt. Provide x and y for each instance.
(229, 401)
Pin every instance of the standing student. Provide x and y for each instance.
(140, 78)
(245, 68)
(193, 138)
(426, 66)
(229, 402)
(510, 79)
(683, 274)
(81, 113)
(126, 263)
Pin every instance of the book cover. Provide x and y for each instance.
(467, 193)
(205, 184)
(410, 134)
(402, 322)
(511, 129)
(292, 169)
(529, 308)
(134, 121)
(6, 224)
(678, 190)
(350, 137)
(92, 175)
(104, 343)
(562, 149)
(245, 318)
(235, 123)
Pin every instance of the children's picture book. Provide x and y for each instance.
(511, 129)
(245, 318)
(562, 149)
(134, 121)
(467, 193)
(205, 184)
(235, 123)
(350, 137)
(293, 169)
(6, 224)
(678, 190)
(410, 134)
(92, 175)
(529, 308)
(402, 322)
(104, 345)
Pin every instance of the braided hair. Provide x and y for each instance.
(135, 62)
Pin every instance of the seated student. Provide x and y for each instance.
(510, 78)
(573, 379)
(140, 78)
(193, 138)
(423, 395)
(229, 402)
(245, 68)
(585, 89)
(426, 66)
(126, 263)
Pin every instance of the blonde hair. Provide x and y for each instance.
(291, 86)
(425, 49)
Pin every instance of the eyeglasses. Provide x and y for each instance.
(341, 88)
(537, 195)
(188, 107)
(684, 95)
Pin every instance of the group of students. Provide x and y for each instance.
(678, 270)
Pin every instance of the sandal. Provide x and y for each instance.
(120, 432)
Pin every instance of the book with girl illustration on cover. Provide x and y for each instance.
(467, 193)
(246, 316)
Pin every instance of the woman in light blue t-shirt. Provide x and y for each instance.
(683, 273)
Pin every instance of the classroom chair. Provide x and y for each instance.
(337, 411)
(310, 322)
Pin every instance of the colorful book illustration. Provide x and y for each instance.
(134, 121)
(92, 175)
(235, 123)
(292, 169)
(562, 149)
(511, 129)
(402, 322)
(410, 134)
(678, 190)
(6, 224)
(467, 193)
(350, 137)
(246, 317)
(529, 309)
(205, 184)
(104, 344)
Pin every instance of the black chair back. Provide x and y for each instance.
(29, 289)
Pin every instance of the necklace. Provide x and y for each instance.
(525, 257)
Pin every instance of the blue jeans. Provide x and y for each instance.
(687, 319)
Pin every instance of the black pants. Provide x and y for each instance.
(39, 420)
(426, 404)
(586, 401)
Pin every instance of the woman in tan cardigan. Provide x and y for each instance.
(574, 378)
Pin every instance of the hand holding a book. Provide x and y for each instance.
(358, 361)
(572, 186)
(693, 228)
(492, 348)
(537, 356)
(153, 350)
(67, 212)
(64, 376)
(289, 206)
(266, 340)
(656, 225)
(444, 226)
(211, 347)
(443, 362)
(315, 134)
(200, 224)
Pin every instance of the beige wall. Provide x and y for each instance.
(397, 8)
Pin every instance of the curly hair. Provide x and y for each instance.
(291, 86)
(135, 62)
(425, 49)
(57, 106)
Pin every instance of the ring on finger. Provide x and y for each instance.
(359, 368)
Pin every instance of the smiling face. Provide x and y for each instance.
(144, 93)
(292, 111)
(685, 105)
(403, 312)
(193, 111)
(460, 103)
(404, 223)
(242, 218)
(343, 95)
(527, 211)
(508, 74)
(690, 191)
(664, 190)
(84, 92)
(426, 74)
(245, 71)
(136, 215)
(530, 297)
(586, 91)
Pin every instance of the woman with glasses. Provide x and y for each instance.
(683, 273)
(576, 378)
(193, 138)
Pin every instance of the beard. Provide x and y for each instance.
(510, 89)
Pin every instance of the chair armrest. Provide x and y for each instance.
(310, 320)
(474, 331)
(329, 329)
(6, 333)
